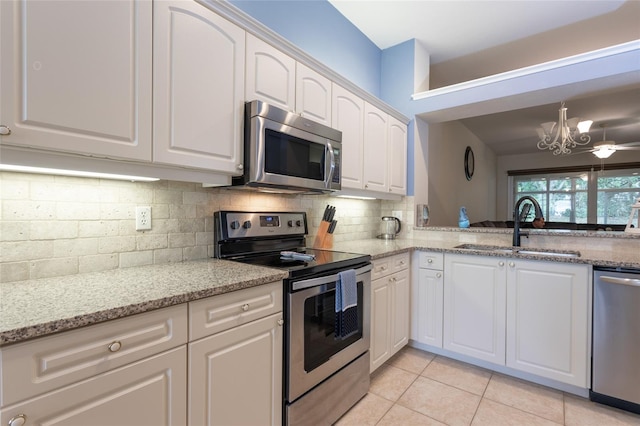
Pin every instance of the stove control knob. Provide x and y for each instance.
(235, 224)
(298, 223)
(246, 224)
(290, 223)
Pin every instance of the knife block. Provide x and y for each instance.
(323, 239)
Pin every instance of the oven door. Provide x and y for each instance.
(314, 352)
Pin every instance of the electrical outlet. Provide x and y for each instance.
(143, 218)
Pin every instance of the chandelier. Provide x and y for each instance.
(564, 135)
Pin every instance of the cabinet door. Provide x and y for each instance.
(380, 322)
(271, 75)
(149, 392)
(198, 88)
(76, 76)
(348, 117)
(428, 302)
(475, 306)
(548, 320)
(400, 310)
(375, 149)
(235, 377)
(313, 95)
(397, 157)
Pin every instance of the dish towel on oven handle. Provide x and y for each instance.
(346, 304)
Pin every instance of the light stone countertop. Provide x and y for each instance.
(40, 307)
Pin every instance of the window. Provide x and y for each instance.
(602, 197)
(616, 192)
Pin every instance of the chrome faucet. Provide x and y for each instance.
(516, 218)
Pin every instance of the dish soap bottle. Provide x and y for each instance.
(463, 220)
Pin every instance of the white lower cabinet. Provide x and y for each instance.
(235, 372)
(532, 316)
(548, 320)
(474, 306)
(235, 377)
(131, 371)
(390, 291)
(149, 392)
(215, 361)
(427, 297)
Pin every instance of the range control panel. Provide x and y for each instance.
(234, 224)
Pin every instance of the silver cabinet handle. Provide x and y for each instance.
(402, 262)
(501, 263)
(18, 420)
(240, 167)
(430, 261)
(280, 322)
(4, 130)
(245, 307)
(115, 346)
(511, 264)
(438, 275)
(634, 282)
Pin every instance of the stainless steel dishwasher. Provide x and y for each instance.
(616, 338)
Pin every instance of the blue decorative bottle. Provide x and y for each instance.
(463, 220)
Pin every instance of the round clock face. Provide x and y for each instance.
(469, 163)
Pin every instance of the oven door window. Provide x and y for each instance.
(287, 155)
(320, 341)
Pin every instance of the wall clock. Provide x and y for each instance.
(469, 163)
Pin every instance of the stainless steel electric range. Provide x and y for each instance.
(325, 374)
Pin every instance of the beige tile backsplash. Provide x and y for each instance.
(53, 225)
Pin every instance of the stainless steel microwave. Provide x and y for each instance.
(285, 152)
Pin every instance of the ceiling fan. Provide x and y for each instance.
(604, 148)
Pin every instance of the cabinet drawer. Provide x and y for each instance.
(218, 313)
(47, 363)
(147, 392)
(389, 265)
(430, 260)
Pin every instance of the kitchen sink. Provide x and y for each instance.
(519, 250)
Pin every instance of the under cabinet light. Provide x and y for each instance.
(356, 197)
(77, 173)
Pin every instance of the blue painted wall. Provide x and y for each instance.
(397, 68)
(319, 29)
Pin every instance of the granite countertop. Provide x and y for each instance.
(35, 308)
(39, 307)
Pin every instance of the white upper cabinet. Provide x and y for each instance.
(313, 95)
(271, 75)
(76, 76)
(397, 156)
(276, 78)
(376, 140)
(198, 102)
(348, 117)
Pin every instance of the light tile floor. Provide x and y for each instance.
(419, 388)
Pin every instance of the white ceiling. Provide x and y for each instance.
(450, 28)
(446, 33)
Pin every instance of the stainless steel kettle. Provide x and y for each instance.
(390, 227)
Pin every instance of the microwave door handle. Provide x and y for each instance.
(331, 166)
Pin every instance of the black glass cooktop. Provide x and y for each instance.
(325, 261)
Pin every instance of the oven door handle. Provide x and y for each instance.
(313, 282)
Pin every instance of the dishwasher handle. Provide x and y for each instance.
(633, 282)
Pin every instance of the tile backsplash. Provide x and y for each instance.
(54, 225)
